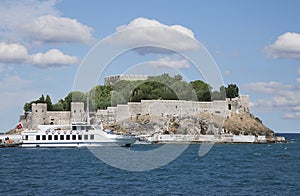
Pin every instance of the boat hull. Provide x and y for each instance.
(123, 143)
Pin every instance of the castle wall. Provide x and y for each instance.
(58, 117)
(40, 115)
(109, 80)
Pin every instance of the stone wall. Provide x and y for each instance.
(174, 108)
(40, 116)
(109, 80)
(132, 110)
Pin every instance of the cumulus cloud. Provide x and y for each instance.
(171, 61)
(57, 29)
(268, 87)
(16, 12)
(18, 54)
(39, 21)
(52, 57)
(282, 97)
(143, 31)
(12, 53)
(286, 46)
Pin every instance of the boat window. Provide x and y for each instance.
(55, 137)
(79, 137)
(73, 127)
(67, 137)
(49, 137)
(73, 137)
(38, 137)
(43, 137)
(26, 137)
(92, 137)
(86, 137)
(62, 137)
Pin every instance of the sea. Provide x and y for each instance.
(227, 169)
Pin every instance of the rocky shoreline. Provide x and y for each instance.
(237, 128)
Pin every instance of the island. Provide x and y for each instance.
(159, 109)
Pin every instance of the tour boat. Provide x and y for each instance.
(78, 135)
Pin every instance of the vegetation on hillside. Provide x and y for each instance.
(163, 87)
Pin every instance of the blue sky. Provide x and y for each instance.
(256, 45)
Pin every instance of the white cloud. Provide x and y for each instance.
(282, 97)
(52, 57)
(268, 87)
(174, 62)
(34, 21)
(292, 115)
(16, 12)
(57, 29)
(286, 46)
(12, 53)
(143, 31)
(17, 54)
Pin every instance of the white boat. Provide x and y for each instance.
(78, 135)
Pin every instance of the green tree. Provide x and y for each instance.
(59, 106)
(232, 91)
(48, 102)
(100, 97)
(41, 99)
(219, 95)
(27, 107)
(202, 90)
(74, 96)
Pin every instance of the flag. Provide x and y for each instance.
(19, 126)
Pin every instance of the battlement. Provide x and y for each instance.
(162, 108)
(109, 80)
(40, 116)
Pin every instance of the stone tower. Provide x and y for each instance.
(39, 114)
(77, 112)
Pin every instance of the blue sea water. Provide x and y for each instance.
(228, 169)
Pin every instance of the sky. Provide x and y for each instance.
(255, 44)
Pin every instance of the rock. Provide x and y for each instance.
(201, 124)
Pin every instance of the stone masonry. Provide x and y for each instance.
(160, 108)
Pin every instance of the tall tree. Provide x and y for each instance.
(41, 99)
(202, 90)
(49, 103)
(232, 91)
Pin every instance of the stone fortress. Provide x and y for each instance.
(134, 110)
(40, 116)
(223, 121)
(174, 108)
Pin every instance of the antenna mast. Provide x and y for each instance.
(88, 110)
